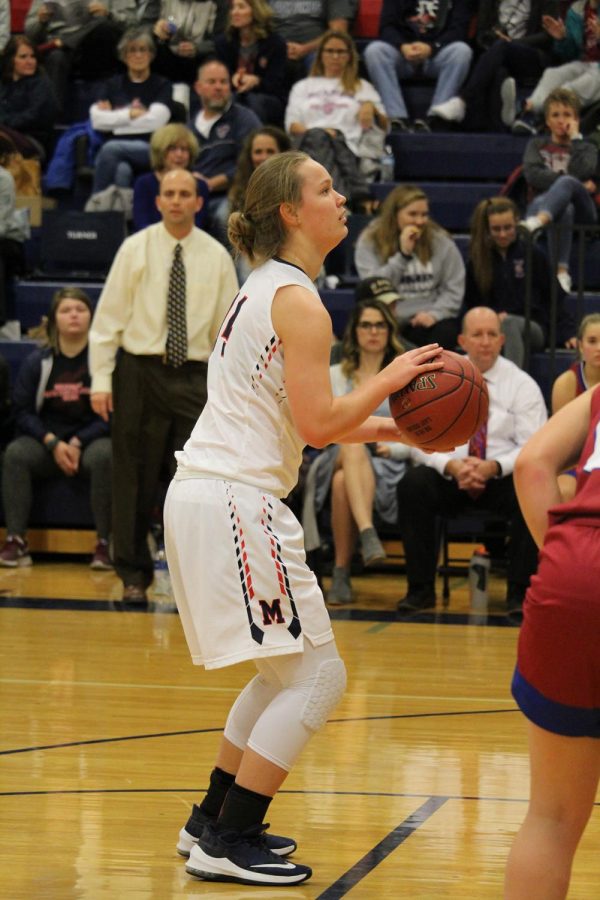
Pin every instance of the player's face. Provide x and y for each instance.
(263, 146)
(24, 62)
(415, 213)
(178, 201)
(589, 345)
(503, 229)
(372, 331)
(72, 317)
(562, 122)
(322, 213)
(482, 340)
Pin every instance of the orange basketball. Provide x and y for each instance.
(443, 409)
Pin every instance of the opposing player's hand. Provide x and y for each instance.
(415, 362)
(102, 404)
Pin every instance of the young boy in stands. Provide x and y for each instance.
(560, 169)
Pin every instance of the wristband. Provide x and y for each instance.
(52, 444)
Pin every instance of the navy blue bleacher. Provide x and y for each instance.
(451, 203)
(33, 298)
(453, 156)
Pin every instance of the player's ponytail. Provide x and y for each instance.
(258, 231)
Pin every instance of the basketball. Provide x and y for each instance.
(443, 409)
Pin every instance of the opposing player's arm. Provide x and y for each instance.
(304, 327)
(551, 450)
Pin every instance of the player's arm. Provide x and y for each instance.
(304, 326)
(551, 450)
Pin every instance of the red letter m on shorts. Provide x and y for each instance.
(271, 612)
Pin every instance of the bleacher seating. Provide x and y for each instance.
(32, 298)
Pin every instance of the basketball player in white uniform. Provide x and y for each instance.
(235, 551)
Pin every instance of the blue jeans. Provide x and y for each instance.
(118, 160)
(387, 67)
(569, 203)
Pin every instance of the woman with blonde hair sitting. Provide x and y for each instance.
(337, 117)
(421, 261)
(361, 478)
(171, 147)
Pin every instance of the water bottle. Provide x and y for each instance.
(162, 579)
(171, 26)
(387, 165)
(479, 573)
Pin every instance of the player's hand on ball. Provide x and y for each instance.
(413, 363)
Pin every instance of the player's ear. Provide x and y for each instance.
(461, 341)
(289, 214)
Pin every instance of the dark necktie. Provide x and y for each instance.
(176, 351)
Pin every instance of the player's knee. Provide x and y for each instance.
(327, 689)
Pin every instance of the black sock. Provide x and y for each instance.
(243, 808)
(220, 782)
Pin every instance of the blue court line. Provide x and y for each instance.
(351, 615)
(374, 857)
(219, 729)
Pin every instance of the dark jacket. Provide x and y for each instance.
(507, 293)
(28, 105)
(269, 66)
(451, 24)
(487, 20)
(30, 384)
(540, 176)
(219, 152)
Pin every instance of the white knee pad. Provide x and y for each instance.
(301, 708)
(247, 708)
(327, 689)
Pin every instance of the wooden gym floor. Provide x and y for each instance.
(414, 789)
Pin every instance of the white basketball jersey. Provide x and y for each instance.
(245, 432)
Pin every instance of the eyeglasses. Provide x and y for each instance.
(131, 50)
(372, 326)
(336, 52)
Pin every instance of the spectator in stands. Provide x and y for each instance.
(334, 116)
(157, 319)
(78, 38)
(133, 105)
(28, 108)
(14, 229)
(560, 170)
(6, 419)
(255, 56)
(4, 22)
(496, 277)
(221, 127)
(362, 478)
(582, 375)
(58, 433)
(185, 33)
(576, 40)
(171, 147)
(419, 40)
(421, 261)
(269, 140)
(303, 25)
(515, 48)
(478, 474)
